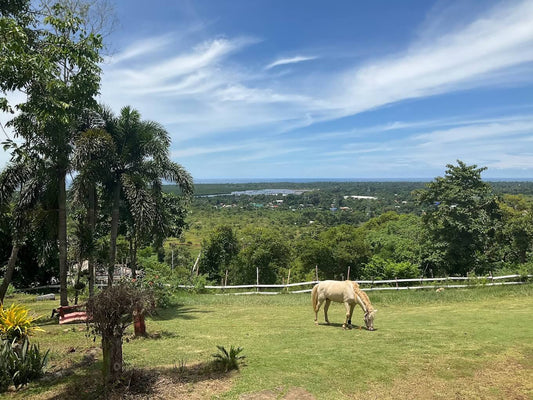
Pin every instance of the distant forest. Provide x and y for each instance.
(377, 229)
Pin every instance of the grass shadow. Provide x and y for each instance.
(338, 325)
(186, 313)
(83, 381)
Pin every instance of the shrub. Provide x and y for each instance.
(16, 323)
(111, 312)
(379, 268)
(226, 361)
(20, 363)
(10, 290)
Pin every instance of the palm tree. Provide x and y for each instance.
(91, 160)
(140, 163)
(29, 184)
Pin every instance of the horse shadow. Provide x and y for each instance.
(339, 325)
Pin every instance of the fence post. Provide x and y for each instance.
(348, 274)
(316, 273)
(257, 273)
(396, 283)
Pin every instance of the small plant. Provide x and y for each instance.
(16, 323)
(181, 367)
(20, 363)
(227, 361)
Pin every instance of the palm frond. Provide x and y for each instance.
(141, 204)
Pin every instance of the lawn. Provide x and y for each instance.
(461, 343)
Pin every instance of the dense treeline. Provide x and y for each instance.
(453, 225)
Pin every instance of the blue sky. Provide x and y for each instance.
(339, 89)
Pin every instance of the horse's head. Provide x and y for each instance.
(369, 319)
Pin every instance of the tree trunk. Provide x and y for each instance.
(62, 238)
(134, 259)
(91, 216)
(114, 232)
(139, 326)
(8, 275)
(112, 358)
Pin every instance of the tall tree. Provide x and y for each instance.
(57, 68)
(140, 163)
(31, 190)
(91, 160)
(460, 215)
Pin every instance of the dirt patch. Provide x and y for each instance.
(279, 394)
(507, 378)
(194, 382)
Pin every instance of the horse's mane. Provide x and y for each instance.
(363, 296)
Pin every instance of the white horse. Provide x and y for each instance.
(347, 292)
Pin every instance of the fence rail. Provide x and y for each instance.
(443, 283)
(375, 285)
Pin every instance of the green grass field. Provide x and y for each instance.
(461, 343)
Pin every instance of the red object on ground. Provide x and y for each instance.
(79, 316)
(68, 314)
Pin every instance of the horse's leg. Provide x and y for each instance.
(347, 321)
(319, 303)
(350, 317)
(326, 306)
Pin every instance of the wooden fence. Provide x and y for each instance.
(371, 285)
(366, 285)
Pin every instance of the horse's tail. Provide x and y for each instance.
(314, 297)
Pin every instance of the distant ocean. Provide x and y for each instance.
(307, 180)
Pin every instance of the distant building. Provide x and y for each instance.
(361, 197)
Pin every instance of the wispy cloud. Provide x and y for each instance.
(493, 44)
(291, 60)
(210, 89)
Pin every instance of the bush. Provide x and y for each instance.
(110, 312)
(10, 289)
(20, 363)
(378, 268)
(16, 323)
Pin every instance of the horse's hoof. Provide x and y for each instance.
(344, 327)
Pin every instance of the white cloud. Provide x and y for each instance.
(291, 60)
(499, 40)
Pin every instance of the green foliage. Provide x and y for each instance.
(395, 237)
(460, 219)
(228, 360)
(159, 280)
(218, 251)
(16, 323)
(10, 289)
(379, 268)
(20, 363)
(262, 249)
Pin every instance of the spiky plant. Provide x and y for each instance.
(227, 361)
(16, 323)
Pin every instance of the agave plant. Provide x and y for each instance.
(16, 323)
(227, 361)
